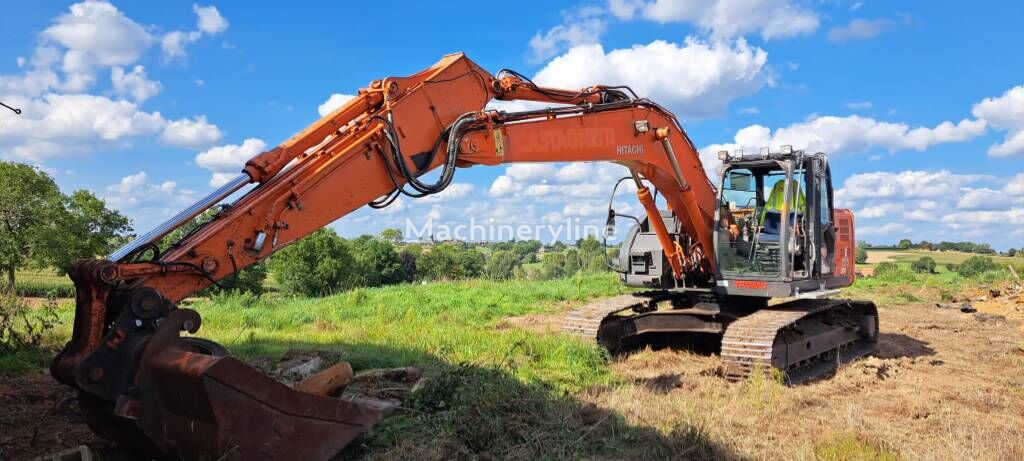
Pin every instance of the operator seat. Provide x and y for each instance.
(771, 216)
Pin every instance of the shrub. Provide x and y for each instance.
(975, 266)
(408, 264)
(318, 264)
(951, 267)
(924, 265)
(862, 255)
(552, 265)
(886, 269)
(248, 280)
(377, 262)
(501, 265)
(23, 327)
(446, 261)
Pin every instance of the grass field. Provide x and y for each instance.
(42, 283)
(502, 383)
(940, 257)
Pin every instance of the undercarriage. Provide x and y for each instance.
(798, 340)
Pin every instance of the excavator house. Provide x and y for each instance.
(708, 261)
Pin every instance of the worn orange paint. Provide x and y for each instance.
(334, 166)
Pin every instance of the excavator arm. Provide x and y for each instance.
(147, 387)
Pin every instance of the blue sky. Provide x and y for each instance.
(920, 105)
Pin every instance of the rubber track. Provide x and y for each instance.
(586, 320)
(748, 342)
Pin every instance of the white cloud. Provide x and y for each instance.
(884, 229)
(335, 101)
(208, 22)
(1016, 185)
(193, 133)
(580, 26)
(95, 34)
(134, 84)
(530, 171)
(697, 78)
(519, 105)
(501, 187)
(860, 29)
(75, 123)
(935, 205)
(588, 208)
(1005, 112)
(858, 105)
(173, 43)
(748, 111)
(904, 184)
(60, 117)
(919, 215)
(146, 201)
(852, 134)
(453, 192)
(230, 156)
(220, 179)
(558, 184)
(878, 211)
(725, 18)
(962, 219)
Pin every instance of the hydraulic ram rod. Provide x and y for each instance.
(181, 218)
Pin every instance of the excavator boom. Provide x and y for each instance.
(144, 385)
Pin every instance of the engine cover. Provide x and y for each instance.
(642, 257)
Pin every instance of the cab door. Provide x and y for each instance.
(823, 222)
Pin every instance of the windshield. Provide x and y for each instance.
(751, 208)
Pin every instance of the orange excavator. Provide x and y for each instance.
(706, 264)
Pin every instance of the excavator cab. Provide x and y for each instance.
(776, 232)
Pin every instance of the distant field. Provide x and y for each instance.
(42, 283)
(941, 257)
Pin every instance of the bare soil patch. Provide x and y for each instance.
(943, 385)
(40, 416)
(538, 323)
(875, 257)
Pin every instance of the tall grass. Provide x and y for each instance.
(427, 325)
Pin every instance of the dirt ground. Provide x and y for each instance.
(944, 385)
(875, 257)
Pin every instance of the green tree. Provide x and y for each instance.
(501, 265)
(923, 265)
(377, 262)
(592, 255)
(408, 264)
(862, 255)
(30, 208)
(526, 250)
(552, 265)
(391, 235)
(572, 263)
(976, 265)
(473, 262)
(905, 244)
(316, 265)
(90, 229)
(249, 279)
(441, 262)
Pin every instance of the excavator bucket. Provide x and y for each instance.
(179, 401)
